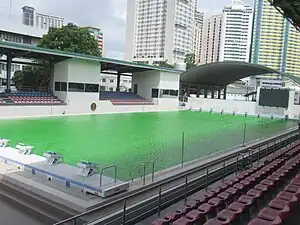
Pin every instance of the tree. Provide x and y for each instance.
(190, 60)
(69, 38)
(165, 64)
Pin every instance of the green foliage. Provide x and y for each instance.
(165, 64)
(190, 60)
(36, 76)
(69, 38)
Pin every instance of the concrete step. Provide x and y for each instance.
(47, 211)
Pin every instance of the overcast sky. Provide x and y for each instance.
(110, 15)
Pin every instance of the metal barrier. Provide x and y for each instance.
(201, 181)
(108, 167)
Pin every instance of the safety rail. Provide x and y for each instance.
(283, 137)
(67, 181)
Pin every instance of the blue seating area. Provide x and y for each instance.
(30, 94)
(124, 98)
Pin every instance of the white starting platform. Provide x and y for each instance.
(85, 176)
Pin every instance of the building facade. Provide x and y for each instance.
(98, 35)
(109, 83)
(159, 30)
(275, 41)
(44, 21)
(211, 39)
(198, 36)
(236, 32)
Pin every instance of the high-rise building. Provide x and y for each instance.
(198, 36)
(98, 35)
(28, 16)
(275, 41)
(31, 18)
(159, 30)
(211, 39)
(236, 32)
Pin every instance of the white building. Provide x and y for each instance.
(159, 30)
(18, 33)
(236, 32)
(109, 83)
(211, 39)
(44, 21)
(198, 36)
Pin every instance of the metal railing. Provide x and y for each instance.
(231, 160)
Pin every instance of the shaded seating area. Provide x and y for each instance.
(124, 98)
(29, 98)
(267, 193)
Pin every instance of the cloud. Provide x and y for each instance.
(109, 15)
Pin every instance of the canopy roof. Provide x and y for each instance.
(290, 9)
(107, 64)
(223, 73)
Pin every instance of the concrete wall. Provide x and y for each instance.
(154, 79)
(82, 71)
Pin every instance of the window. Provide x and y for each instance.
(92, 88)
(60, 86)
(111, 89)
(76, 87)
(154, 93)
(102, 88)
(104, 80)
(111, 81)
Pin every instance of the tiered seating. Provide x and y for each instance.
(235, 201)
(124, 98)
(32, 98)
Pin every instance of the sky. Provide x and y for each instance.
(109, 15)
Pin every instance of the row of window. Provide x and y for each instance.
(76, 87)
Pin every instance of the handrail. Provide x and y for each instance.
(172, 178)
(108, 167)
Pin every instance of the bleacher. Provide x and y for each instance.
(29, 98)
(266, 194)
(124, 98)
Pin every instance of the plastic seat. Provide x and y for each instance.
(287, 196)
(293, 189)
(247, 184)
(207, 210)
(161, 222)
(259, 221)
(239, 187)
(183, 221)
(217, 203)
(271, 214)
(196, 217)
(213, 222)
(200, 200)
(227, 216)
(280, 204)
(210, 194)
(172, 216)
(226, 197)
(229, 182)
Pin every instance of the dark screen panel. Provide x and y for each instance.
(274, 98)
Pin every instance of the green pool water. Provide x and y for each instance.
(130, 139)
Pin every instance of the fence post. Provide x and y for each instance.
(182, 149)
(237, 164)
(152, 178)
(206, 179)
(124, 212)
(185, 188)
(159, 200)
(74, 222)
(224, 164)
(244, 134)
(144, 173)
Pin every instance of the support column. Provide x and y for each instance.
(224, 92)
(197, 91)
(205, 92)
(188, 91)
(219, 93)
(212, 93)
(118, 82)
(51, 74)
(8, 72)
